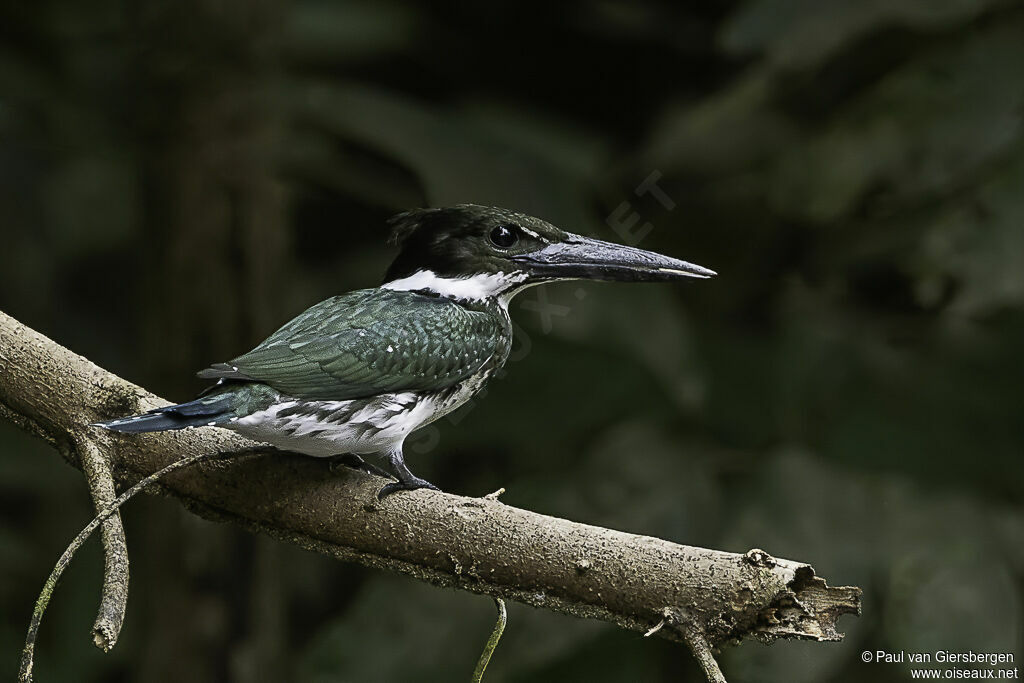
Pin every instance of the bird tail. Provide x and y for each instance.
(207, 411)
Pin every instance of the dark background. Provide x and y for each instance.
(177, 178)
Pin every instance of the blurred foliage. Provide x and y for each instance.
(178, 178)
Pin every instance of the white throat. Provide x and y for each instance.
(476, 287)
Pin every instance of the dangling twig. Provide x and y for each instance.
(114, 596)
(702, 651)
(492, 642)
(27, 653)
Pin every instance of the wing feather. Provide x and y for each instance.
(369, 342)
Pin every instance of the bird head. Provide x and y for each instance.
(476, 252)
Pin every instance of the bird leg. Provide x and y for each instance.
(407, 481)
(262, 449)
(357, 463)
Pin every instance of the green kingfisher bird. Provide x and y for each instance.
(356, 374)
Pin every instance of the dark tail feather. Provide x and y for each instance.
(206, 411)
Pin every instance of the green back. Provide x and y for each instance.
(373, 341)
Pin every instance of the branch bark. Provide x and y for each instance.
(114, 596)
(701, 597)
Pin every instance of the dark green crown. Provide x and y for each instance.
(464, 240)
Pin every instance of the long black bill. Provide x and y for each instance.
(583, 258)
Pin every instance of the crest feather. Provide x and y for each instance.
(405, 223)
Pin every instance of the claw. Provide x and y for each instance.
(411, 485)
(355, 462)
(407, 481)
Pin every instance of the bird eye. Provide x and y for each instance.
(504, 236)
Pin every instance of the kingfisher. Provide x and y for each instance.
(358, 373)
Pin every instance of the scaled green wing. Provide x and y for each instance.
(368, 342)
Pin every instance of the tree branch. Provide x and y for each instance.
(702, 597)
(114, 597)
(702, 651)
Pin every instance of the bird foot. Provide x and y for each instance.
(409, 485)
(263, 449)
(355, 462)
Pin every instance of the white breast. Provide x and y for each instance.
(328, 428)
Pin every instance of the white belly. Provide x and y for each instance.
(328, 428)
